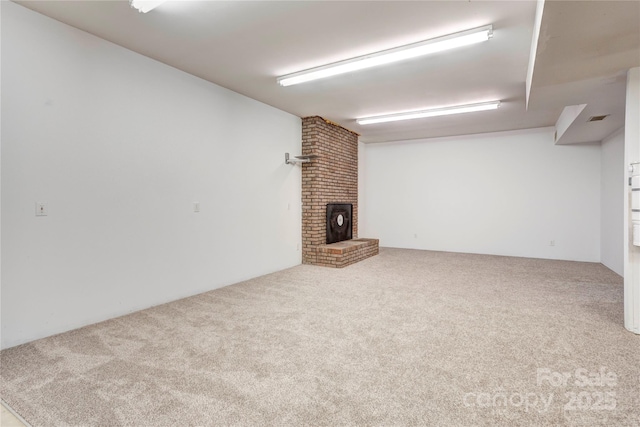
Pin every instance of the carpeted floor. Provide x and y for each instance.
(404, 338)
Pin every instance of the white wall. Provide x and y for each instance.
(120, 146)
(612, 202)
(631, 252)
(361, 186)
(508, 193)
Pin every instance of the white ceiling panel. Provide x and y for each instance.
(245, 46)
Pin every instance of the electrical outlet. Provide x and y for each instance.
(41, 209)
(552, 243)
(196, 206)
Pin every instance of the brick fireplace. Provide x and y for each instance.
(331, 178)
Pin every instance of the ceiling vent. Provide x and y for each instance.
(597, 118)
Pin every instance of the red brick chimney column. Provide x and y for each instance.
(330, 178)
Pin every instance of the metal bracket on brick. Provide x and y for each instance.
(298, 159)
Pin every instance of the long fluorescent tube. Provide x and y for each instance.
(451, 41)
(483, 106)
(145, 6)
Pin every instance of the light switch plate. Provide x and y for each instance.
(41, 209)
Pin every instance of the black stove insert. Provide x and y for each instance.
(339, 222)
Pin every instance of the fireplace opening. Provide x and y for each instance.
(339, 222)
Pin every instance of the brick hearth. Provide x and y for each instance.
(347, 252)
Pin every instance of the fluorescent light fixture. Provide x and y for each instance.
(425, 47)
(458, 109)
(145, 6)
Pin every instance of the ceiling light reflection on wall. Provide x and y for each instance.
(420, 114)
(145, 6)
(439, 44)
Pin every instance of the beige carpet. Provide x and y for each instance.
(404, 338)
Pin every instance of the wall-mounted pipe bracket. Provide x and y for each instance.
(298, 159)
